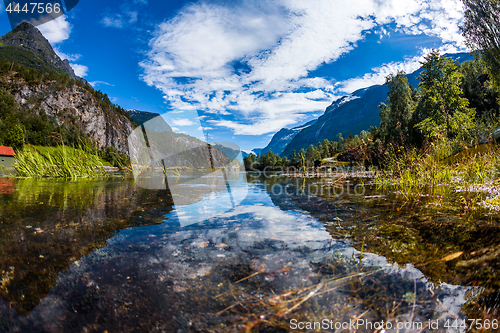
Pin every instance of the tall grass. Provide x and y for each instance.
(58, 162)
(410, 171)
(414, 172)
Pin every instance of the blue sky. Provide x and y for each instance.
(248, 67)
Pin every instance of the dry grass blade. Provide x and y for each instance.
(251, 275)
(311, 294)
(229, 307)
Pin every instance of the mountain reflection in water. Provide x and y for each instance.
(258, 266)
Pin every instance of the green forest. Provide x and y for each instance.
(456, 106)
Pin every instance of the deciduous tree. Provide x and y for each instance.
(481, 29)
(441, 110)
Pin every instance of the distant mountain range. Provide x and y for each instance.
(285, 135)
(347, 115)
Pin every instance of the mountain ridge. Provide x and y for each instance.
(283, 137)
(26, 37)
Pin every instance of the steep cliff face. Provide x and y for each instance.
(73, 105)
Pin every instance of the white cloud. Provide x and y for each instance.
(80, 70)
(249, 63)
(56, 30)
(120, 20)
(70, 57)
(380, 73)
(115, 21)
(183, 122)
(127, 16)
(96, 83)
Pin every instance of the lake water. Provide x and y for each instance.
(107, 255)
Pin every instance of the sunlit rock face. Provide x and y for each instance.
(75, 105)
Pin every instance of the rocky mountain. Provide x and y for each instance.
(26, 43)
(76, 105)
(281, 139)
(348, 114)
(351, 114)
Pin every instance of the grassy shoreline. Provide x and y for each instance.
(474, 172)
(59, 162)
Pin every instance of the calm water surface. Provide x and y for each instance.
(106, 255)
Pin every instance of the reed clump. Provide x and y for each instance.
(59, 162)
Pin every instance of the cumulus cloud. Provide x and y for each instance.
(56, 30)
(249, 64)
(80, 70)
(70, 57)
